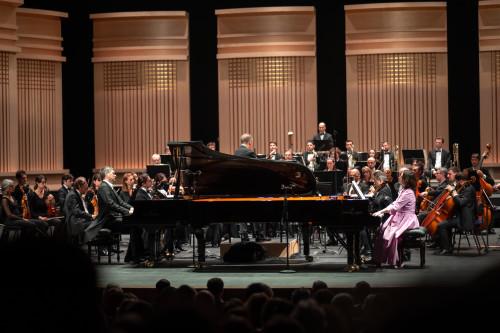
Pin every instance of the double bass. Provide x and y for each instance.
(485, 214)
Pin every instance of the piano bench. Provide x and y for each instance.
(414, 239)
(105, 240)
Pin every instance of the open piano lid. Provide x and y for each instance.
(227, 175)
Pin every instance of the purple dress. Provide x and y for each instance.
(402, 217)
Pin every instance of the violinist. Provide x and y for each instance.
(91, 196)
(78, 215)
(464, 197)
(42, 204)
(22, 191)
(418, 170)
(367, 176)
(11, 214)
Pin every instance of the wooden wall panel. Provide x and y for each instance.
(267, 97)
(40, 115)
(400, 98)
(8, 25)
(135, 36)
(267, 76)
(489, 78)
(9, 160)
(396, 28)
(139, 107)
(265, 32)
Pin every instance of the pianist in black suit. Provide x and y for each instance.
(111, 207)
(77, 214)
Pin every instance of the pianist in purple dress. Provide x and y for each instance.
(402, 217)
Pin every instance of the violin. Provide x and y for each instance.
(24, 204)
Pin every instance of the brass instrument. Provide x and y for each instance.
(456, 161)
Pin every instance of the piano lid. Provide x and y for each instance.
(223, 174)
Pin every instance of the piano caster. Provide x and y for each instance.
(199, 265)
(149, 264)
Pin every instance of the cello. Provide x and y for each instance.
(442, 209)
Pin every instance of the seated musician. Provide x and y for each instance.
(212, 146)
(371, 163)
(431, 193)
(356, 178)
(402, 217)
(480, 170)
(367, 176)
(310, 156)
(76, 211)
(289, 156)
(155, 159)
(91, 196)
(42, 207)
(161, 185)
(22, 188)
(330, 165)
(273, 151)
(418, 170)
(66, 184)
(111, 206)
(127, 188)
(464, 197)
(11, 214)
(392, 183)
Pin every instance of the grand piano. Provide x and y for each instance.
(232, 189)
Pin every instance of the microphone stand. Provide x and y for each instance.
(284, 217)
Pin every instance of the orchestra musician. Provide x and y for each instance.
(22, 189)
(438, 157)
(352, 156)
(367, 176)
(464, 197)
(211, 145)
(371, 163)
(66, 184)
(387, 158)
(356, 178)
(127, 188)
(402, 217)
(480, 170)
(155, 159)
(310, 156)
(42, 206)
(76, 211)
(288, 156)
(322, 135)
(91, 196)
(392, 183)
(11, 213)
(111, 207)
(273, 151)
(330, 165)
(432, 193)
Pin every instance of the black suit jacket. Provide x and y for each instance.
(141, 194)
(61, 196)
(243, 151)
(277, 157)
(465, 209)
(445, 159)
(381, 199)
(76, 217)
(111, 209)
(392, 160)
(326, 137)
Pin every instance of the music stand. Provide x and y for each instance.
(168, 159)
(409, 155)
(153, 169)
(332, 179)
(322, 145)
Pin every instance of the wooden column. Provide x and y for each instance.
(267, 76)
(397, 85)
(489, 80)
(141, 85)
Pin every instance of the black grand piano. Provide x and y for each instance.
(232, 189)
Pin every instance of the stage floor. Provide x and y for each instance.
(330, 267)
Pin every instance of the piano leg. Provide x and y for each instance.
(353, 257)
(306, 239)
(200, 239)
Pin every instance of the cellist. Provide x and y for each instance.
(464, 198)
(431, 193)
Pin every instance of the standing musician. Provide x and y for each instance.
(322, 135)
(273, 151)
(310, 156)
(352, 156)
(76, 211)
(438, 157)
(111, 207)
(387, 158)
(464, 197)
